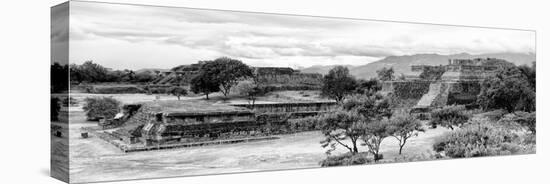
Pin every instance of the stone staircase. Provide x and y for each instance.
(428, 99)
(436, 96)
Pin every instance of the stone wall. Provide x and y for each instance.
(406, 89)
(463, 92)
(167, 127)
(289, 107)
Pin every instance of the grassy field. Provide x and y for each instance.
(93, 159)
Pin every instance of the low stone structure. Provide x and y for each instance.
(177, 125)
(462, 69)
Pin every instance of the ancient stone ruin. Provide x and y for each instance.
(459, 84)
(175, 123)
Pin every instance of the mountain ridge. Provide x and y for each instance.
(401, 64)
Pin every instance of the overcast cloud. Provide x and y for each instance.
(135, 37)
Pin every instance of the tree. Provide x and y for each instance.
(403, 127)
(374, 111)
(509, 89)
(373, 107)
(386, 74)
(375, 133)
(102, 107)
(177, 91)
(368, 87)
(450, 116)
(249, 89)
(338, 83)
(226, 72)
(93, 72)
(338, 126)
(204, 83)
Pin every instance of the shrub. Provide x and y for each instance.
(304, 124)
(527, 120)
(346, 159)
(450, 116)
(104, 107)
(480, 138)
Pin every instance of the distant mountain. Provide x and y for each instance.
(402, 64)
(322, 69)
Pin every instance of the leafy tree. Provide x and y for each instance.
(374, 111)
(508, 89)
(386, 74)
(432, 73)
(339, 126)
(102, 107)
(177, 91)
(338, 83)
(93, 72)
(249, 89)
(375, 133)
(368, 87)
(374, 107)
(450, 116)
(226, 72)
(204, 83)
(403, 127)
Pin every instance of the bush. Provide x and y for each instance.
(346, 159)
(104, 107)
(527, 120)
(304, 124)
(450, 116)
(480, 138)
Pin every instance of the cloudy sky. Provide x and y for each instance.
(135, 37)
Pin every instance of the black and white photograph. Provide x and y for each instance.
(142, 92)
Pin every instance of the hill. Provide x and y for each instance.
(401, 64)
